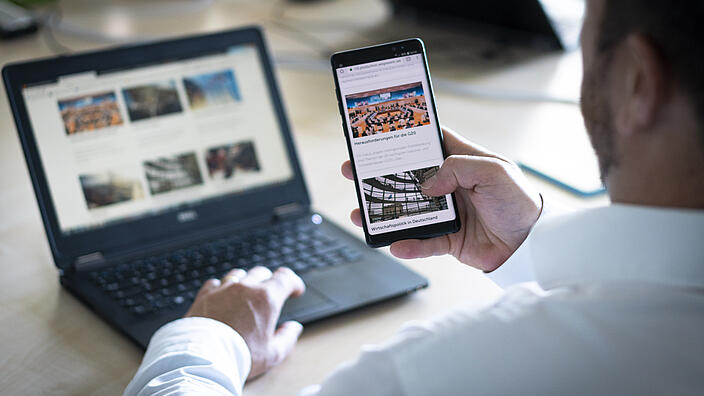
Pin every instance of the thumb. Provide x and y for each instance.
(419, 248)
(285, 339)
(464, 171)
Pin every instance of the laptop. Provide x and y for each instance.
(161, 165)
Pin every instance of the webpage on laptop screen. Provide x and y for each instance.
(131, 143)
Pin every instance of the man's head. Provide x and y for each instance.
(643, 95)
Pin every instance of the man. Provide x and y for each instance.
(618, 307)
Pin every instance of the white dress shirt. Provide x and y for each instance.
(618, 308)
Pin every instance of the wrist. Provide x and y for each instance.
(522, 241)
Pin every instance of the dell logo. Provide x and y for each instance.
(188, 215)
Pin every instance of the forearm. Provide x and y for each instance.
(193, 355)
(374, 372)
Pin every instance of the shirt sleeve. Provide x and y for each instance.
(464, 351)
(193, 356)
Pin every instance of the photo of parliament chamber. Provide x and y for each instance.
(387, 110)
(399, 195)
(89, 112)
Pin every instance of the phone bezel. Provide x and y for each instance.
(376, 53)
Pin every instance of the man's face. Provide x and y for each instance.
(596, 106)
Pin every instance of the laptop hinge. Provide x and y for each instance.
(288, 210)
(89, 261)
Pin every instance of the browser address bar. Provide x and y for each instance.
(364, 81)
(373, 72)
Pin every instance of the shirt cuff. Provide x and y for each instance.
(201, 350)
(517, 269)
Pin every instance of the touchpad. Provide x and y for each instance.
(309, 303)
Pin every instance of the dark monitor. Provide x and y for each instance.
(554, 24)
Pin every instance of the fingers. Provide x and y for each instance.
(347, 170)
(280, 285)
(285, 339)
(208, 286)
(455, 144)
(465, 171)
(256, 275)
(283, 284)
(356, 217)
(233, 276)
(419, 248)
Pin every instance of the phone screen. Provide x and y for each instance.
(395, 142)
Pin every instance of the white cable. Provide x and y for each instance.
(169, 9)
(464, 89)
(70, 29)
(161, 10)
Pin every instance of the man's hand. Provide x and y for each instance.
(251, 302)
(497, 207)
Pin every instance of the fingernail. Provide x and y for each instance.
(429, 183)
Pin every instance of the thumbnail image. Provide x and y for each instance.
(218, 88)
(110, 187)
(152, 100)
(172, 173)
(399, 195)
(387, 110)
(225, 162)
(90, 112)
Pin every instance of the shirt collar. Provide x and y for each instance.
(620, 243)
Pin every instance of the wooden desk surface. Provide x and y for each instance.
(50, 343)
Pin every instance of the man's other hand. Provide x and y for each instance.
(251, 302)
(497, 207)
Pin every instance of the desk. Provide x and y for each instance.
(51, 343)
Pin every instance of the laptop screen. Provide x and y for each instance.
(130, 143)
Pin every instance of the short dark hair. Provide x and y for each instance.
(676, 28)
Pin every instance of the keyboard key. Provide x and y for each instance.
(273, 264)
(300, 267)
(139, 309)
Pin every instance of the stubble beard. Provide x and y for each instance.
(596, 110)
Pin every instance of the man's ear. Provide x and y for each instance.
(644, 85)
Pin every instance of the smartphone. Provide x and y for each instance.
(394, 141)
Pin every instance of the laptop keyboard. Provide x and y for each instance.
(171, 279)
